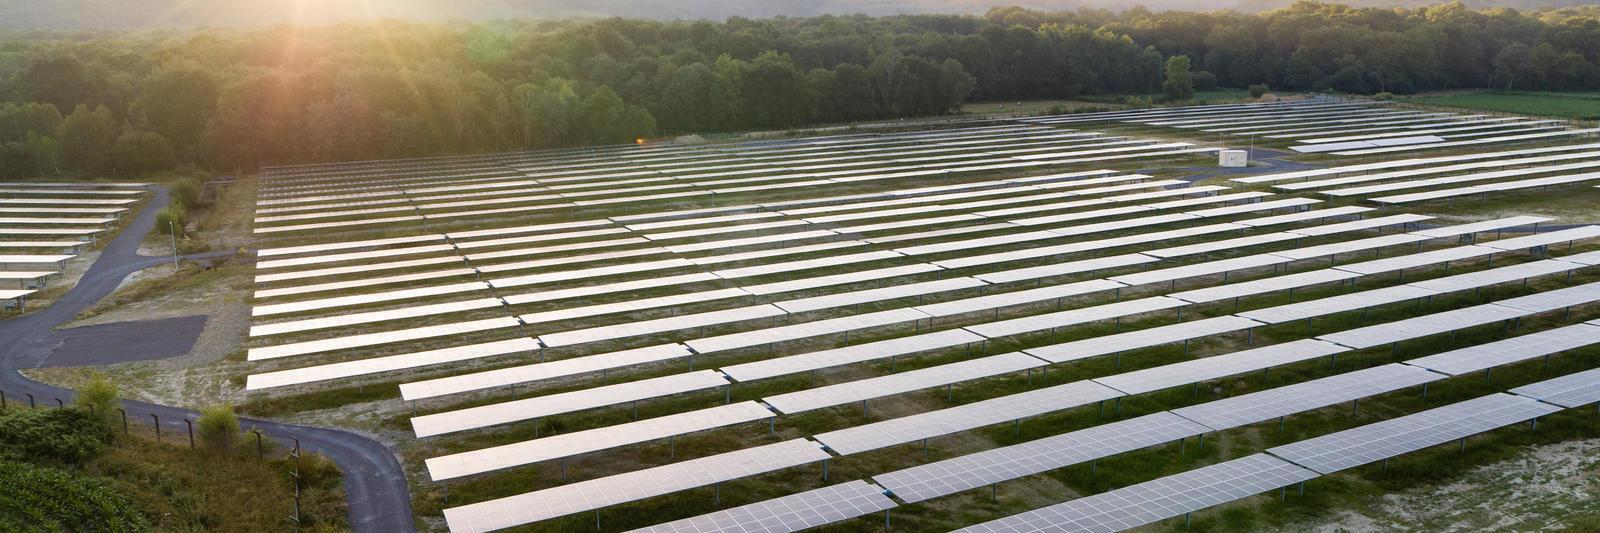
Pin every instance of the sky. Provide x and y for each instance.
(146, 14)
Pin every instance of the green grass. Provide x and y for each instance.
(1584, 105)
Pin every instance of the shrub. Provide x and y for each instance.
(99, 398)
(46, 499)
(57, 435)
(219, 427)
(1204, 80)
(1258, 90)
(171, 219)
(186, 192)
(1384, 96)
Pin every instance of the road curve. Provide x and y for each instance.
(375, 485)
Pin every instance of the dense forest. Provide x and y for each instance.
(119, 103)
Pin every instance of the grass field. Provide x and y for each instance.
(1584, 105)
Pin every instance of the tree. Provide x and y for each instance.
(1258, 90)
(1512, 63)
(88, 139)
(1178, 84)
(99, 397)
(218, 427)
(1204, 81)
(61, 81)
(1301, 72)
(142, 151)
(175, 101)
(695, 100)
(774, 93)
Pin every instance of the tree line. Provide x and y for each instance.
(118, 103)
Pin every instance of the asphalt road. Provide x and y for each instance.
(374, 483)
(122, 342)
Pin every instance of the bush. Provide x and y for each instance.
(171, 219)
(1383, 96)
(56, 435)
(46, 499)
(1204, 80)
(186, 192)
(219, 427)
(1258, 90)
(99, 398)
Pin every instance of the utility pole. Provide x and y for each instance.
(172, 230)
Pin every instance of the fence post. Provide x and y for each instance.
(260, 453)
(190, 425)
(2, 399)
(296, 455)
(158, 426)
(60, 404)
(30, 402)
(124, 420)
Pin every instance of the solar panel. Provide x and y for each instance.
(1456, 179)
(1585, 258)
(794, 512)
(1247, 409)
(1545, 239)
(1506, 351)
(966, 417)
(805, 264)
(773, 252)
(1571, 390)
(746, 339)
(870, 351)
(1422, 326)
(1263, 285)
(1554, 299)
(594, 494)
(911, 380)
(1336, 248)
(1144, 338)
(1355, 447)
(659, 325)
(1022, 297)
(1239, 243)
(569, 444)
(361, 367)
(566, 402)
(839, 279)
(367, 282)
(1156, 500)
(1074, 317)
(1430, 257)
(750, 241)
(1255, 206)
(1337, 304)
(829, 301)
(1197, 370)
(1066, 268)
(1484, 278)
(941, 478)
(1199, 269)
(374, 339)
(488, 379)
(351, 256)
(1478, 227)
(669, 301)
(1354, 225)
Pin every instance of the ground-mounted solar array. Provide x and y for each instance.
(44, 225)
(691, 316)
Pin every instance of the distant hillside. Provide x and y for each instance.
(142, 14)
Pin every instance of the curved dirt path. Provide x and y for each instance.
(375, 486)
